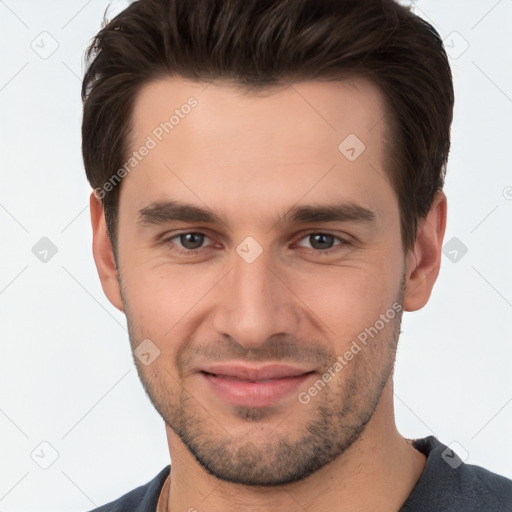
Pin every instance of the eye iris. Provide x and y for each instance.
(318, 240)
(187, 240)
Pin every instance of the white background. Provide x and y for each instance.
(67, 376)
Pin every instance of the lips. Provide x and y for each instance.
(254, 387)
(252, 374)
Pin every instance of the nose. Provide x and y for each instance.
(254, 302)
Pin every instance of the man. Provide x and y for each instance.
(267, 202)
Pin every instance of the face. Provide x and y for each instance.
(253, 305)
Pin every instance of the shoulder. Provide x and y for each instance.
(449, 484)
(141, 499)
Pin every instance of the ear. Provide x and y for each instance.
(424, 261)
(104, 254)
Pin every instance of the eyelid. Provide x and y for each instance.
(342, 241)
(168, 239)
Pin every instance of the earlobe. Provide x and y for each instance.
(104, 254)
(424, 260)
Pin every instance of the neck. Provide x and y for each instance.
(377, 472)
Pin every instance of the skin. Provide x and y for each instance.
(250, 158)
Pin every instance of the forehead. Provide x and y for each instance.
(219, 145)
(323, 109)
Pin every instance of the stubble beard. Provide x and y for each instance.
(337, 417)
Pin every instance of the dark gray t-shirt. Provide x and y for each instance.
(446, 485)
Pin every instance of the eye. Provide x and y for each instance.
(187, 243)
(323, 242)
(191, 242)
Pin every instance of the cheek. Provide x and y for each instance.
(347, 299)
(161, 297)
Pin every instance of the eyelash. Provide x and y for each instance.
(193, 252)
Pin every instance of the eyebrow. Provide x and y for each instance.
(162, 212)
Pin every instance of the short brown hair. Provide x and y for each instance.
(260, 43)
